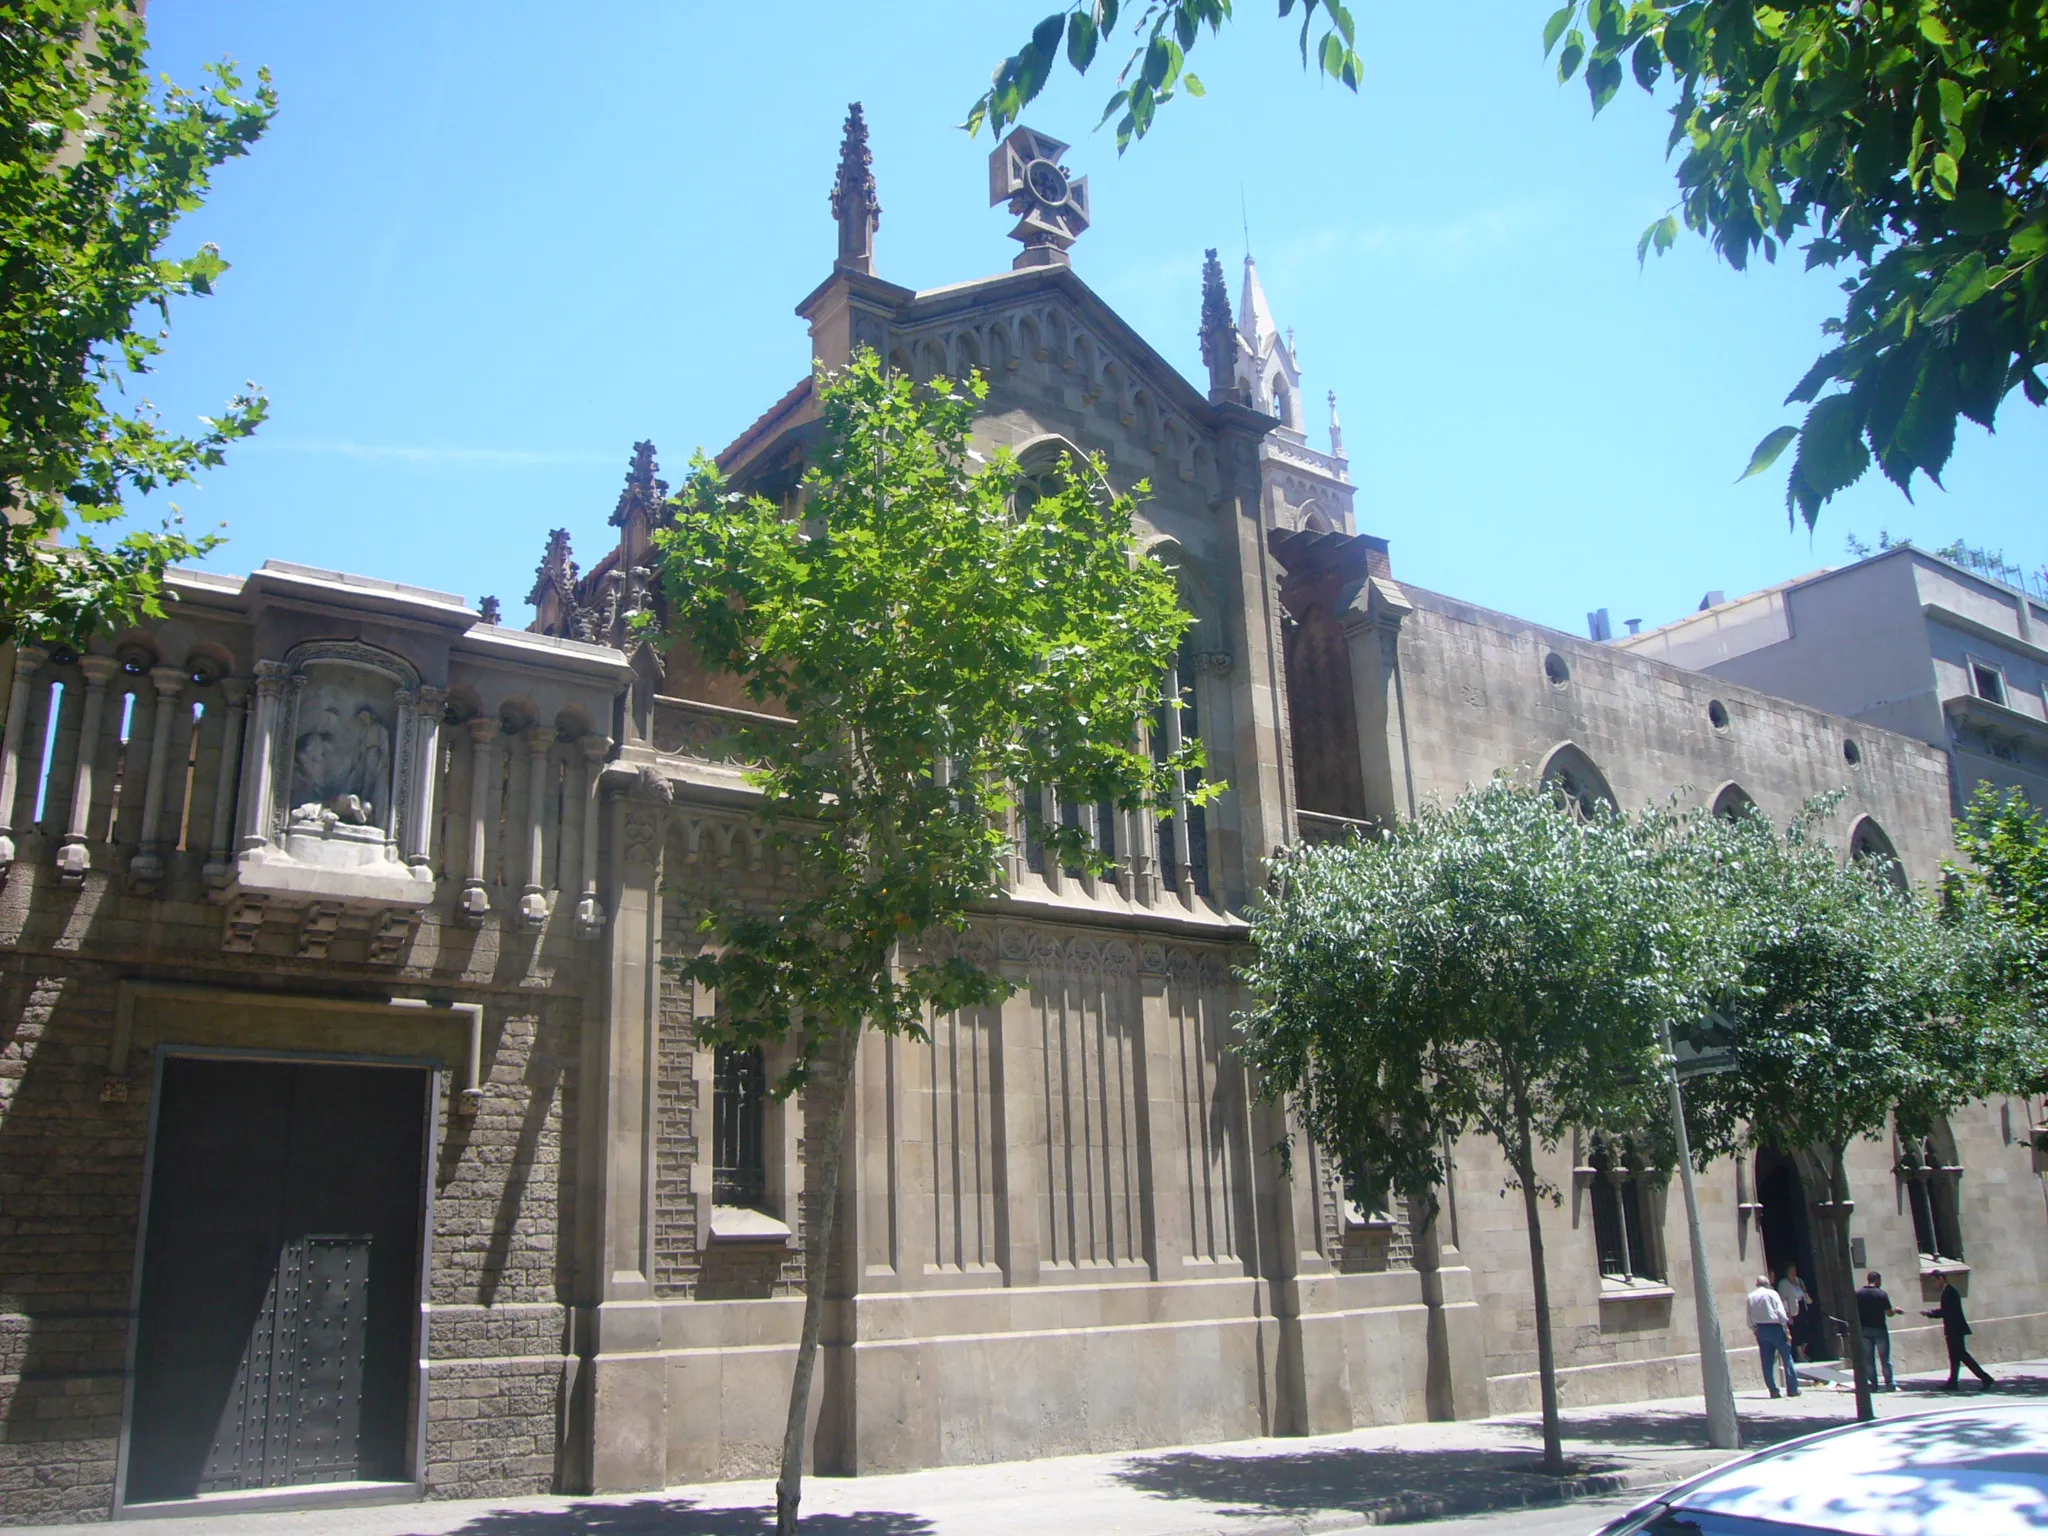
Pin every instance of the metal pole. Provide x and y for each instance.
(1724, 1431)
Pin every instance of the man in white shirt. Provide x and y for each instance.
(1798, 1302)
(1771, 1324)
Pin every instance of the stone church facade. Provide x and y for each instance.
(356, 1140)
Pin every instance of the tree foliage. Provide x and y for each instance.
(2006, 841)
(1855, 1001)
(1499, 965)
(1160, 34)
(935, 639)
(97, 164)
(1900, 142)
(2004, 892)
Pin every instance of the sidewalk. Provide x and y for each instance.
(1248, 1488)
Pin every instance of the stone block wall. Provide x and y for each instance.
(73, 1142)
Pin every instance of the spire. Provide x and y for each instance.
(556, 577)
(854, 203)
(1218, 335)
(1254, 315)
(645, 490)
(1336, 429)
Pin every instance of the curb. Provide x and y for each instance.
(1409, 1511)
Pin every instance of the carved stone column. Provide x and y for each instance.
(73, 857)
(476, 901)
(1182, 875)
(235, 690)
(259, 753)
(628, 1372)
(146, 869)
(533, 902)
(426, 776)
(590, 915)
(28, 660)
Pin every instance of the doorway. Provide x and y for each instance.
(279, 1300)
(1784, 1220)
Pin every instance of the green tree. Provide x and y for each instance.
(1856, 1005)
(2006, 841)
(97, 164)
(935, 638)
(2004, 892)
(1900, 142)
(1501, 966)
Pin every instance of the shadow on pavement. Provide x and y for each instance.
(679, 1517)
(1683, 1432)
(1344, 1479)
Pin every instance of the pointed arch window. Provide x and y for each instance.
(1580, 785)
(1929, 1173)
(1622, 1238)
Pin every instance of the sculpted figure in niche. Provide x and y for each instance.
(341, 764)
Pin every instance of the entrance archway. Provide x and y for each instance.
(1785, 1223)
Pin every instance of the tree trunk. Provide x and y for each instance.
(1838, 1197)
(1546, 1350)
(833, 1086)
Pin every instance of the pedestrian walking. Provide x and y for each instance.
(1955, 1328)
(1772, 1327)
(1874, 1312)
(1800, 1311)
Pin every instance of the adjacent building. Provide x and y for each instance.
(1905, 639)
(357, 1141)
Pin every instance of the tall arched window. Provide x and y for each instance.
(739, 1100)
(1733, 801)
(1578, 783)
(1929, 1172)
(1869, 844)
(1183, 836)
(1621, 1232)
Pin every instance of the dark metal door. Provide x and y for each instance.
(280, 1277)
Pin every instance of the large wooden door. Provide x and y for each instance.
(280, 1277)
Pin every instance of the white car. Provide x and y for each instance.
(1980, 1471)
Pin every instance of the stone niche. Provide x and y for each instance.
(335, 803)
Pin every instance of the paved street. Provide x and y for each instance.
(1409, 1472)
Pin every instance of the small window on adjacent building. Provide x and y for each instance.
(1987, 682)
(739, 1167)
(1621, 1233)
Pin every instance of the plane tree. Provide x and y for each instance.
(935, 639)
(98, 162)
(1498, 966)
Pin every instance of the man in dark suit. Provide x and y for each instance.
(1955, 1328)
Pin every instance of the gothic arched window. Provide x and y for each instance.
(1929, 1171)
(1621, 1233)
(1580, 785)
(1868, 844)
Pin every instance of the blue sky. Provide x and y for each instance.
(486, 247)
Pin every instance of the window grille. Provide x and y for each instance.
(739, 1169)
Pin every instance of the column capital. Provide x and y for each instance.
(235, 690)
(98, 670)
(168, 681)
(29, 658)
(431, 697)
(595, 748)
(483, 729)
(539, 738)
(271, 676)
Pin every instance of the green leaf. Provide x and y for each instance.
(1553, 29)
(1332, 55)
(1081, 40)
(1115, 103)
(1194, 85)
(1935, 30)
(1662, 234)
(1647, 62)
(1963, 284)
(1574, 52)
(1945, 173)
(1767, 452)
